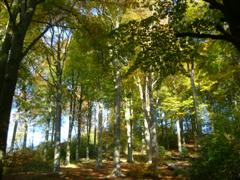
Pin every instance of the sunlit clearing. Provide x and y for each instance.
(71, 166)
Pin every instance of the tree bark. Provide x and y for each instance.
(182, 132)
(7, 93)
(89, 125)
(14, 133)
(25, 133)
(195, 122)
(179, 136)
(71, 122)
(53, 129)
(100, 127)
(79, 126)
(152, 122)
(57, 135)
(95, 130)
(142, 91)
(117, 121)
(129, 129)
(4, 51)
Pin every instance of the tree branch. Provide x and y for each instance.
(200, 35)
(10, 13)
(35, 41)
(215, 5)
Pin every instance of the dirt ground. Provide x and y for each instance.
(174, 167)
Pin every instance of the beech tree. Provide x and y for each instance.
(21, 15)
(13, 50)
(57, 45)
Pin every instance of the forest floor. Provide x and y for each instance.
(173, 166)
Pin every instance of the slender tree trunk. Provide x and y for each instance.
(182, 132)
(89, 124)
(143, 139)
(128, 126)
(71, 121)
(107, 133)
(14, 133)
(58, 58)
(129, 130)
(179, 136)
(117, 122)
(53, 130)
(152, 123)
(57, 136)
(100, 127)
(147, 141)
(68, 152)
(79, 126)
(95, 129)
(25, 133)
(196, 122)
(143, 97)
(162, 127)
(167, 135)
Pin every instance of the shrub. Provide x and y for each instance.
(219, 158)
(26, 160)
(184, 152)
(162, 151)
(138, 170)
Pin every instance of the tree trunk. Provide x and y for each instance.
(100, 127)
(167, 135)
(196, 122)
(182, 132)
(46, 139)
(117, 121)
(152, 122)
(179, 136)
(4, 52)
(129, 130)
(79, 125)
(107, 133)
(14, 133)
(57, 136)
(6, 96)
(53, 129)
(143, 97)
(71, 121)
(25, 133)
(95, 130)
(89, 124)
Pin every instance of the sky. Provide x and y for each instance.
(37, 135)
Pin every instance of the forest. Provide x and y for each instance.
(120, 89)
